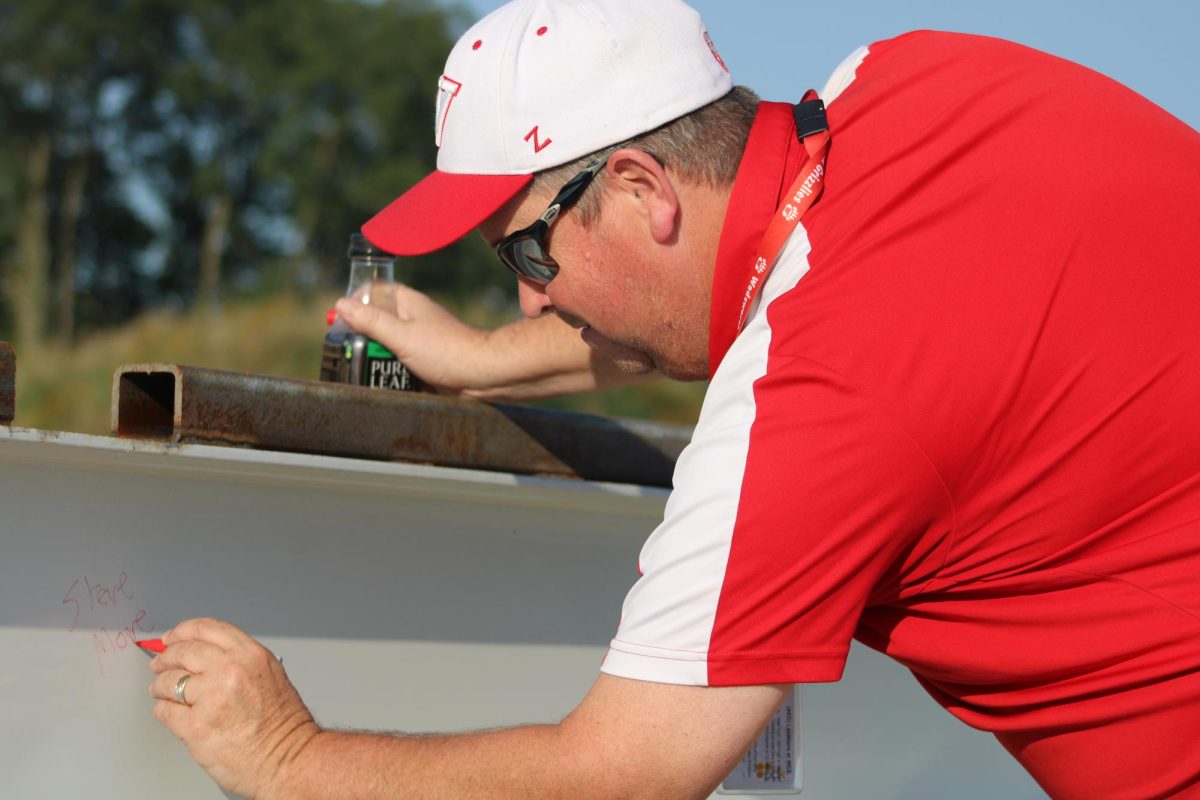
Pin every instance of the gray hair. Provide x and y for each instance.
(704, 146)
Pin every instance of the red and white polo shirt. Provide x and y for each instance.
(963, 423)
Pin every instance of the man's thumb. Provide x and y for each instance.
(360, 317)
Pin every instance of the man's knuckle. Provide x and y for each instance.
(234, 681)
(261, 659)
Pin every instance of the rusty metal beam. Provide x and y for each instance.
(8, 383)
(172, 403)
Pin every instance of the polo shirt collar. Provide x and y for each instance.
(772, 159)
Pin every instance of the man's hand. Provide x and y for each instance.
(442, 350)
(242, 720)
(527, 359)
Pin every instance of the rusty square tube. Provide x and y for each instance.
(8, 383)
(181, 404)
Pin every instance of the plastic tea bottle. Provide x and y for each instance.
(349, 357)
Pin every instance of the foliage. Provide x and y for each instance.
(169, 153)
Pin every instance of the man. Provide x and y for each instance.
(955, 362)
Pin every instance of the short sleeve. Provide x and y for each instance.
(798, 503)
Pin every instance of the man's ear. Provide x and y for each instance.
(641, 179)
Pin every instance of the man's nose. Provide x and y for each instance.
(534, 302)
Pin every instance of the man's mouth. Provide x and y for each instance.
(574, 322)
(595, 339)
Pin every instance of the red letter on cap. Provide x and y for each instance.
(538, 145)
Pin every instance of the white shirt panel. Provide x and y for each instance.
(668, 616)
(844, 75)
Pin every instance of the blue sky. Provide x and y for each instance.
(781, 47)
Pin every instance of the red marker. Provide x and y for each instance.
(152, 645)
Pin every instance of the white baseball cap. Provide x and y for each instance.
(539, 83)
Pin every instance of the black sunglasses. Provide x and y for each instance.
(524, 251)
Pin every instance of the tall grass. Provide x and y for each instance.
(71, 389)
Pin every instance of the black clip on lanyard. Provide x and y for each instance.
(810, 118)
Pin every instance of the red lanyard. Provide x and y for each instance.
(803, 193)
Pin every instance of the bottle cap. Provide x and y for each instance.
(330, 316)
(360, 247)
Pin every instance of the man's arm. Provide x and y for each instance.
(628, 739)
(525, 360)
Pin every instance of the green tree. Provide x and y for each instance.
(301, 119)
(164, 151)
(357, 131)
(69, 71)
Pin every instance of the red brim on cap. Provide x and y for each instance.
(439, 211)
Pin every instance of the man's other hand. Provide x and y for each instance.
(238, 714)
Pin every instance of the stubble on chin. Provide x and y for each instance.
(634, 361)
(625, 358)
